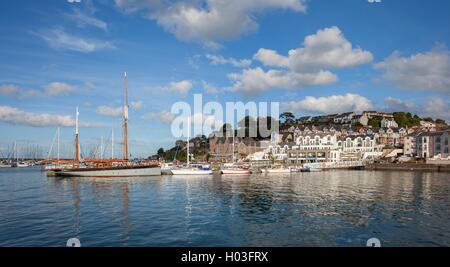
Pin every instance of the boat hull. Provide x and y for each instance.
(276, 171)
(235, 171)
(111, 172)
(191, 172)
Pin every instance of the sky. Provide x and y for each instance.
(313, 57)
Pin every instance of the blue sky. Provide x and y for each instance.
(345, 55)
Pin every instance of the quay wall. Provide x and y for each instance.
(408, 167)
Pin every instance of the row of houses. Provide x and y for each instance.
(351, 118)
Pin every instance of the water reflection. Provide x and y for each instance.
(342, 208)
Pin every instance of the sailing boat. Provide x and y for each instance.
(234, 167)
(194, 170)
(110, 168)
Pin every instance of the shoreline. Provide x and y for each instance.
(408, 167)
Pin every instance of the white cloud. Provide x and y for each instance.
(118, 111)
(57, 88)
(51, 89)
(196, 119)
(181, 87)
(163, 116)
(136, 105)
(435, 107)
(303, 67)
(327, 48)
(59, 39)
(84, 19)
(330, 104)
(8, 89)
(208, 21)
(422, 71)
(16, 116)
(210, 89)
(110, 111)
(220, 60)
(255, 81)
(395, 104)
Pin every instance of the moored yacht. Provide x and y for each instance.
(109, 168)
(234, 168)
(195, 169)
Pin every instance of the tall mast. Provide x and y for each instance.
(58, 133)
(188, 135)
(101, 147)
(112, 143)
(77, 145)
(233, 148)
(125, 119)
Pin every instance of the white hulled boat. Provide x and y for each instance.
(194, 169)
(234, 168)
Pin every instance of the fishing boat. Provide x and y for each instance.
(109, 168)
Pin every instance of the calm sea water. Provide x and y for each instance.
(336, 208)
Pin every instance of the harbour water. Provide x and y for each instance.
(333, 208)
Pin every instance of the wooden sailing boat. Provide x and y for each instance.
(110, 168)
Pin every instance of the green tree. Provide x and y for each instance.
(287, 118)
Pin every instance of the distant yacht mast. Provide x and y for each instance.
(125, 119)
(77, 145)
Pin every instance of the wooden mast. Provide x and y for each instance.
(125, 119)
(77, 145)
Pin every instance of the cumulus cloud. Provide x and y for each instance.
(181, 87)
(255, 81)
(303, 67)
(422, 71)
(16, 116)
(327, 48)
(330, 104)
(59, 39)
(220, 60)
(57, 88)
(208, 21)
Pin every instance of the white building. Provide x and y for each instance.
(388, 123)
(324, 148)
